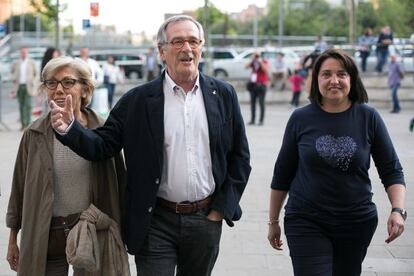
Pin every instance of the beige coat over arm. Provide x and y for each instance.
(31, 199)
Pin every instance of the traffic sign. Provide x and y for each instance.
(86, 24)
(94, 9)
(2, 30)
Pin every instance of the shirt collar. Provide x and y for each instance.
(172, 86)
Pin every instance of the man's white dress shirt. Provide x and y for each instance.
(187, 173)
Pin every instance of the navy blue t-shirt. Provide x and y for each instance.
(324, 162)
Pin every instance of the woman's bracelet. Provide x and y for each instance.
(273, 221)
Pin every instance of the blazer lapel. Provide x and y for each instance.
(211, 103)
(155, 113)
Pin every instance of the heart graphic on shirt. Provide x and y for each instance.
(337, 152)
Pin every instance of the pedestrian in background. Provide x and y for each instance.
(25, 77)
(97, 73)
(320, 44)
(112, 75)
(307, 65)
(280, 72)
(186, 154)
(385, 39)
(323, 164)
(51, 52)
(257, 85)
(296, 81)
(365, 42)
(51, 184)
(41, 99)
(99, 101)
(151, 64)
(395, 75)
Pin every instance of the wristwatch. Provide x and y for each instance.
(401, 211)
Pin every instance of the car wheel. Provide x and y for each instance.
(220, 74)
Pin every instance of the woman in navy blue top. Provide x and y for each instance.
(323, 165)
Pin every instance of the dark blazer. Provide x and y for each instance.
(136, 125)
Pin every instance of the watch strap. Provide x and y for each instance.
(401, 211)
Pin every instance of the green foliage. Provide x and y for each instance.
(317, 17)
(397, 14)
(214, 15)
(45, 7)
(366, 16)
(68, 29)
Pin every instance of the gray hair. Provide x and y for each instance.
(82, 71)
(162, 31)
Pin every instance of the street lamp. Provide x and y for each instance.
(57, 31)
(207, 38)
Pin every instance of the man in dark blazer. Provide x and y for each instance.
(186, 154)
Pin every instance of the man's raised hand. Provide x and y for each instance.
(62, 117)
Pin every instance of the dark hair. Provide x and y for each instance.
(357, 93)
(48, 55)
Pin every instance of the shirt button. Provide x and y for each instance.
(150, 209)
(157, 181)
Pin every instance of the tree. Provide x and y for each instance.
(47, 8)
(398, 14)
(51, 11)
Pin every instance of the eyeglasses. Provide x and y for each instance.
(66, 83)
(178, 43)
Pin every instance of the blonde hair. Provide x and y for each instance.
(81, 69)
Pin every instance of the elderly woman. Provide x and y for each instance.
(51, 184)
(323, 165)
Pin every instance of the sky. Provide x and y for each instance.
(140, 15)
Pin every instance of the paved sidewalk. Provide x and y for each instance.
(244, 248)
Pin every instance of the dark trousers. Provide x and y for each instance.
(364, 57)
(25, 105)
(382, 56)
(257, 91)
(60, 267)
(318, 248)
(295, 98)
(185, 244)
(150, 75)
(111, 91)
(395, 101)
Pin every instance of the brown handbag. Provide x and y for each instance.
(59, 230)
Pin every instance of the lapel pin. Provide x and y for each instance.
(214, 92)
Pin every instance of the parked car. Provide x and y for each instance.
(235, 68)
(129, 60)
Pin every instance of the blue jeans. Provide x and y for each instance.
(364, 56)
(187, 244)
(319, 248)
(111, 90)
(382, 56)
(394, 96)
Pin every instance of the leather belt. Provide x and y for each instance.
(184, 207)
(65, 223)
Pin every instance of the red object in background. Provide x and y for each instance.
(94, 9)
(12, 95)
